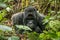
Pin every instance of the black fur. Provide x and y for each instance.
(30, 17)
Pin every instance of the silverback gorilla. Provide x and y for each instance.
(31, 18)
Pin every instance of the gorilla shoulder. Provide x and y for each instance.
(19, 14)
(40, 15)
(17, 18)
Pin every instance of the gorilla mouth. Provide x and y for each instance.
(30, 16)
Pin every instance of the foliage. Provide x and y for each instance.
(5, 28)
(33, 36)
(13, 38)
(23, 27)
(52, 29)
(51, 8)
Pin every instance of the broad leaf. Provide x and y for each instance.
(5, 28)
(23, 27)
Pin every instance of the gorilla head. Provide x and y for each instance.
(30, 11)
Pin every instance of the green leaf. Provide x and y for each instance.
(13, 38)
(33, 36)
(5, 28)
(23, 27)
(58, 34)
(3, 5)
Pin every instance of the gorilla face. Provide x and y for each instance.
(30, 17)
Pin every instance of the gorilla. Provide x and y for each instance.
(31, 18)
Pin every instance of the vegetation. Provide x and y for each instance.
(50, 8)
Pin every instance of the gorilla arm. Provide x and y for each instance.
(40, 21)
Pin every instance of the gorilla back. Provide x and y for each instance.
(31, 18)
